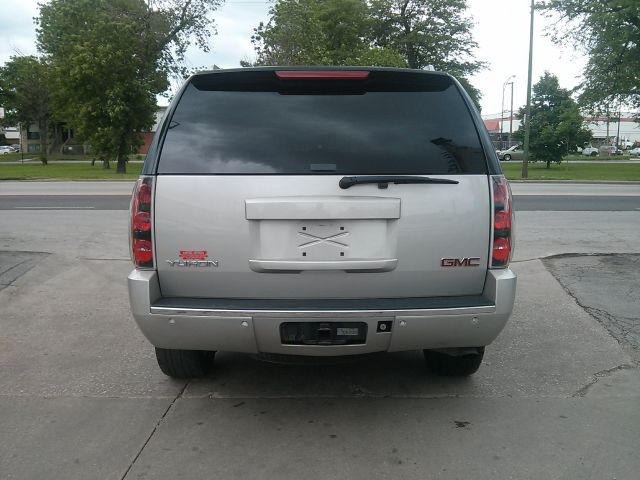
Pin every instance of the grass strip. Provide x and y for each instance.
(537, 171)
(66, 171)
(575, 171)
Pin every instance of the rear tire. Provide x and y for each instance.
(507, 157)
(593, 154)
(184, 363)
(445, 365)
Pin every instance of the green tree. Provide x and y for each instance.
(309, 32)
(556, 122)
(25, 94)
(111, 58)
(393, 33)
(429, 32)
(609, 33)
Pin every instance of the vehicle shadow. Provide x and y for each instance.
(401, 375)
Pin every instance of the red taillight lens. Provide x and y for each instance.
(144, 194)
(143, 252)
(502, 246)
(502, 221)
(141, 223)
(501, 251)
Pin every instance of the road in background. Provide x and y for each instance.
(66, 188)
(64, 202)
(116, 196)
(125, 188)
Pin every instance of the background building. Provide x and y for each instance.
(604, 132)
(61, 138)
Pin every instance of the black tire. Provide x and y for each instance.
(507, 157)
(593, 154)
(184, 363)
(453, 366)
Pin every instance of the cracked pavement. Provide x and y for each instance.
(81, 396)
(608, 288)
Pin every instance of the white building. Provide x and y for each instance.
(10, 133)
(629, 128)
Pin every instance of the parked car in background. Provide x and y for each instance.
(4, 150)
(635, 151)
(609, 150)
(590, 151)
(15, 147)
(514, 153)
(275, 236)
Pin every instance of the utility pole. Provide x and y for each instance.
(527, 120)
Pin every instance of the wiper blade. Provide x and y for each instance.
(383, 181)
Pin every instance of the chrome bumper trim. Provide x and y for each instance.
(191, 312)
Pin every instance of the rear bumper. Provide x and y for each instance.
(201, 326)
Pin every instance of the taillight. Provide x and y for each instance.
(141, 223)
(322, 74)
(502, 242)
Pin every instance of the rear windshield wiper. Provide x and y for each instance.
(383, 181)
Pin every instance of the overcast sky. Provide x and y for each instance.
(501, 30)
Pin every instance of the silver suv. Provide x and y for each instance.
(321, 212)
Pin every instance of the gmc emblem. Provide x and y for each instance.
(460, 262)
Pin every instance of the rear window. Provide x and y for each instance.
(387, 124)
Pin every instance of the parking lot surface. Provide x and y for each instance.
(81, 396)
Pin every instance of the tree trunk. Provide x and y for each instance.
(105, 163)
(56, 146)
(410, 48)
(122, 165)
(122, 155)
(43, 127)
(548, 163)
(412, 57)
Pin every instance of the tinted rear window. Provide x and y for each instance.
(385, 125)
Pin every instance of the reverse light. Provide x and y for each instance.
(503, 221)
(141, 223)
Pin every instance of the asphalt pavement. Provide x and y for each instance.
(608, 287)
(81, 396)
(98, 187)
(116, 196)
(121, 202)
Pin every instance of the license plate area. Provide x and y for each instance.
(323, 333)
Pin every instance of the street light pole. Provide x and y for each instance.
(502, 117)
(618, 133)
(20, 142)
(527, 120)
(511, 116)
(504, 85)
